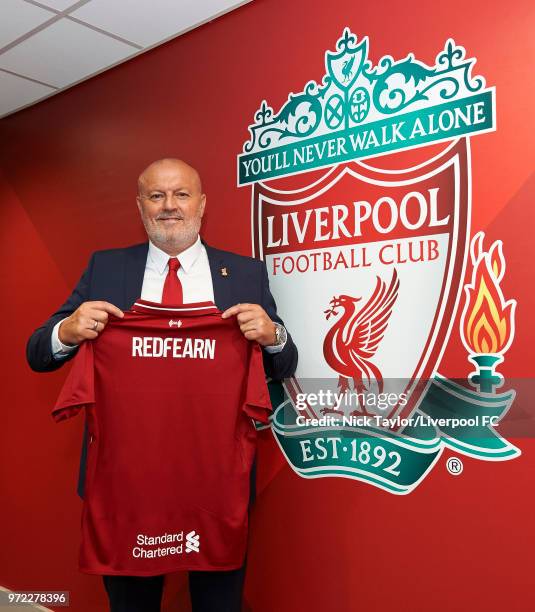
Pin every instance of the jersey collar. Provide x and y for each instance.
(183, 310)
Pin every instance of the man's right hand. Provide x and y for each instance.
(86, 322)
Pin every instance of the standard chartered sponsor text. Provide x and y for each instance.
(140, 552)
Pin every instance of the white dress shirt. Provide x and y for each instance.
(195, 277)
(193, 273)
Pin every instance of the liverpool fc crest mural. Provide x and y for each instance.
(361, 201)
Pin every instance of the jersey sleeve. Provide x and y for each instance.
(78, 389)
(257, 402)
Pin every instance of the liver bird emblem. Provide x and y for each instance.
(347, 68)
(353, 340)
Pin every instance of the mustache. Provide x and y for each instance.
(169, 217)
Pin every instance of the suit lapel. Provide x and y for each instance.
(221, 278)
(136, 260)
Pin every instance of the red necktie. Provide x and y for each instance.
(172, 288)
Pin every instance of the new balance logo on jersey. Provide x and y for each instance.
(175, 323)
(192, 542)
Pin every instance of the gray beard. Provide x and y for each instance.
(173, 242)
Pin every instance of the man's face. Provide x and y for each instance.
(171, 205)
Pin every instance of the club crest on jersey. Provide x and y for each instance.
(367, 260)
(175, 323)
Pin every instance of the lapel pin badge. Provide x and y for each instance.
(224, 272)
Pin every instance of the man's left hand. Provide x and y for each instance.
(254, 323)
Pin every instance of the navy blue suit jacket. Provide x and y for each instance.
(116, 276)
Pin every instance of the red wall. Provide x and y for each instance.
(68, 169)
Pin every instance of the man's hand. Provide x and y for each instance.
(86, 322)
(254, 323)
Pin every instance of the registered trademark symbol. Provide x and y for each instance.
(454, 466)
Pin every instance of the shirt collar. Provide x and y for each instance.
(187, 258)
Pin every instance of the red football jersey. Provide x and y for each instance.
(170, 394)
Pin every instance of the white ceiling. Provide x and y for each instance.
(49, 45)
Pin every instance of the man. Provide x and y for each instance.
(171, 204)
